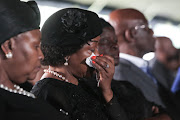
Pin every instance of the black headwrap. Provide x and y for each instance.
(70, 27)
(17, 17)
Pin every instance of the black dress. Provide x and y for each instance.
(18, 107)
(78, 101)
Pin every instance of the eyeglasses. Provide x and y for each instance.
(142, 27)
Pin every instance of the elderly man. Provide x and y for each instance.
(131, 99)
(135, 39)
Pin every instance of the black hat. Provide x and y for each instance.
(17, 17)
(104, 23)
(70, 27)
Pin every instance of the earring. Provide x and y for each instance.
(66, 63)
(9, 55)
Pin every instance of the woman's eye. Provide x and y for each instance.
(37, 46)
(92, 50)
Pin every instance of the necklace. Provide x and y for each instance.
(55, 74)
(17, 90)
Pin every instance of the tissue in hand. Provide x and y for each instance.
(89, 61)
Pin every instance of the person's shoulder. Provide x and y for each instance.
(125, 64)
(49, 82)
(52, 87)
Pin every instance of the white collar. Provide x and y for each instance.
(139, 62)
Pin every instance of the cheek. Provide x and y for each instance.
(31, 56)
(106, 51)
(30, 59)
(101, 49)
(78, 65)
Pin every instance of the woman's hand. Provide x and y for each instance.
(105, 71)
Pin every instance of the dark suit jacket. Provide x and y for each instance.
(129, 72)
(165, 77)
(157, 93)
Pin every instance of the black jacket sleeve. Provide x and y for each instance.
(115, 110)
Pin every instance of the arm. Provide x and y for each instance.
(105, 75)
(115, 110)
(105, 70)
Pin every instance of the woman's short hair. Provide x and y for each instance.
(65, 32)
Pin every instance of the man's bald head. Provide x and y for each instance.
(134, 35)
(122, 18)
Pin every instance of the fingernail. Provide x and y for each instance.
(93, 57)
(93, 62)
(101, 55)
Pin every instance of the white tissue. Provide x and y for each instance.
(89, 61)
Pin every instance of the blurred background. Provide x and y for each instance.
(163, 15)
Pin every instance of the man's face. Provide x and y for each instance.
(145, 40)
(108, 44)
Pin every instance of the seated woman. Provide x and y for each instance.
(70, 36)
(20, 56)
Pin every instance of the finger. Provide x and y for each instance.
(105, 62)
(99, 66)
(155, 109)
(109, 58)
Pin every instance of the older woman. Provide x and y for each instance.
(70, 36)
(20, 56)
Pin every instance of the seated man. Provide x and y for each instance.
(131, 98)
(166, 61)
(135, 39)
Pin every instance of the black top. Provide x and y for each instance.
(131, 100)
(18, 107)
(26, 86)
(78, 101)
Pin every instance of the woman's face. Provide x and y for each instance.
(26, 57)
(77, 65)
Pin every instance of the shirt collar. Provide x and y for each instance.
(139, 62)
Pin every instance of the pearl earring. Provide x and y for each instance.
(66, 63)
(9, 55)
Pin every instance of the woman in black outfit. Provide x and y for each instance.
(20, 56)
(70, 36)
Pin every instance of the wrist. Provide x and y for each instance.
(108, 94)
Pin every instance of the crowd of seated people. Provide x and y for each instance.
(92, 69)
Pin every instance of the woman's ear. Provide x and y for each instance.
(129, 35)
(7, 47)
